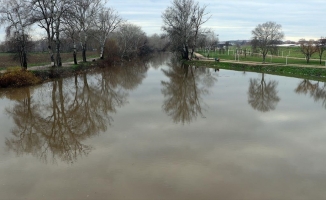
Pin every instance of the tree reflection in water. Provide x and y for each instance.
(316, 90)
(183, 93)
(77, 109)
(262, 96)
(159, 59)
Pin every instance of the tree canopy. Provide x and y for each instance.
(266, 36)
(182, 22)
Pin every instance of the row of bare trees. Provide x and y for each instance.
(310, 47)
(17, 14)
(74, 20)
(268, 35)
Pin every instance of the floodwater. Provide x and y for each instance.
(160, 130)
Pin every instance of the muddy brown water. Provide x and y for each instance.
(160, 130)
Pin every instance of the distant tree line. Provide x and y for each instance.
(310, 47)
(71, 26)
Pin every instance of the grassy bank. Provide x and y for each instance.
(318, 74)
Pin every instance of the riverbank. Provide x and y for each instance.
(15, 77)
(317, 73)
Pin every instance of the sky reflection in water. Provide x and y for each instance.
(161, 130)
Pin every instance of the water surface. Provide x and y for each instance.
(161, 130)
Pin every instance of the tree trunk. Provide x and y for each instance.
(75, 54)
(51, 52)
(59, 62)
(84, 52)
(51, 56)
(23, 54)
(58, 57)
(24, 60)
(264, 57)
(192, 53)
(185, 54)
(58, 46)
(102, 52)
(75, 58)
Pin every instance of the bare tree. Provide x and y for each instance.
(266, 36)
(308, 48)
(158, 42)
(212, 40)
(85, 12)
(16, 14)
(107, 21)
(49, 14)
(70, 31)
(61, 10)
(43, 12)
(198, 20)
(321, 46)
(130, 39)
(202, 41)
(182, 23)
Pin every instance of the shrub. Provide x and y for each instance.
(111, 51)
(16, 77)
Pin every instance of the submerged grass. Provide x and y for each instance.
(318, 74)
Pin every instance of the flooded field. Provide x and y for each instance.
(162, 130)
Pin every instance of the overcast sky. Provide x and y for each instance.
(234, 19)
(230, 19)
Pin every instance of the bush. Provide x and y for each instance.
(16, 77)
(111, 52)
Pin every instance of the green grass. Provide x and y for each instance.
(40, 59)
(293, 59)
(318, 74)
(290, 51)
